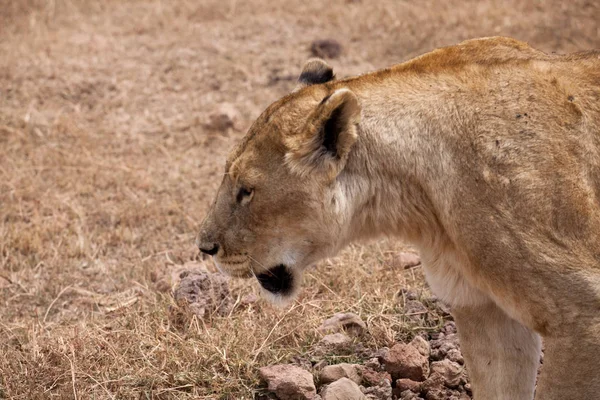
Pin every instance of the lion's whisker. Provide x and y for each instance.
(256, 261)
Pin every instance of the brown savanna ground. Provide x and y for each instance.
(108, 163)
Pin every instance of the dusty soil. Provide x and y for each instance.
(115, 119)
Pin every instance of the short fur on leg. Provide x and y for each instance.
(571, 367)
(502, 356)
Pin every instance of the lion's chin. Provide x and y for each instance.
(279, 281)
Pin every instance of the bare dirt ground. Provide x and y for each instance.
(109, 159)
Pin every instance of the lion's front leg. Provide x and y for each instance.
(502, 356)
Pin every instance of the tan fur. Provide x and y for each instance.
(486, 155)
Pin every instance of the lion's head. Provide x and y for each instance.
(280, 206)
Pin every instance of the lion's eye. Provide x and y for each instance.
(244, 195)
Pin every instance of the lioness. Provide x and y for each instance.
(485, 155)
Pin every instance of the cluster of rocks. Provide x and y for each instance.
(430, 368)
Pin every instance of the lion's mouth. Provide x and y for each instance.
(235, 268)
(277, 280)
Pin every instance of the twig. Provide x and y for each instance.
(73, 372)
(54, 301)
(6, 278)
(101, 384)
(173, 389)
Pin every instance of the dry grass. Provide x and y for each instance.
(107, 167)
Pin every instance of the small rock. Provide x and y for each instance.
(382, 392)
(203, 293)
(326, 48)
(349, 322)
(224, 118)
(408, 395)
(332, 373)
(443, 308)
(415, 308)
(422, 345)
(456, 356)
(373, 363)
(450, 371)
(335, 340)
(437, 394)
(405, 361)
(405, 260)
(372, 377)
(289, 382)
(449, 328)
(443, 394)
(444, 344)
(167, 278)
(342, 389)
(407, 384)
(434, 382)
(468, 388)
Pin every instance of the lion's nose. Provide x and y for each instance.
(209, 248)
(207, 240)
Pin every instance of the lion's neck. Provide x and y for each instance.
(389, 180)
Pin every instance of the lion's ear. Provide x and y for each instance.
(315, 71)
(325, 141)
